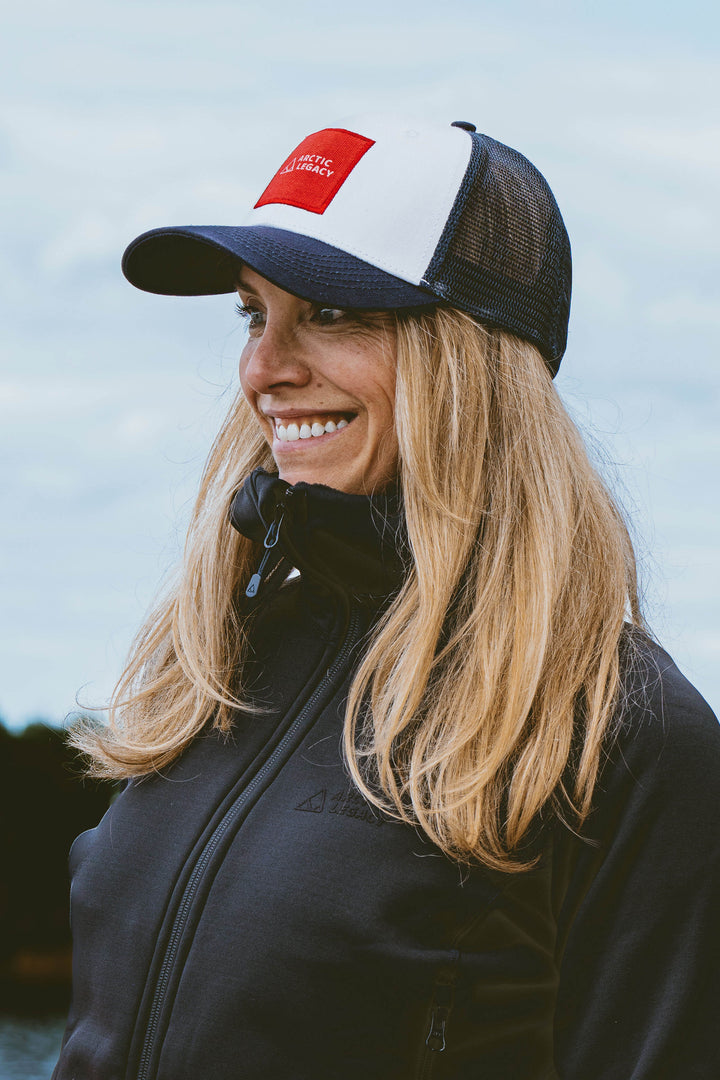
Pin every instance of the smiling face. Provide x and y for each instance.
(322, 384)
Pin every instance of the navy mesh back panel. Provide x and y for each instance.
(504, 255)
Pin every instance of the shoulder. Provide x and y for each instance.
(663, 727)
(637, 924)
(660, 771)
(654, 828)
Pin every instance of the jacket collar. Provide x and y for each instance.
(355, 543)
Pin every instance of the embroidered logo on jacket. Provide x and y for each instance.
(350, 803)
(315, 804)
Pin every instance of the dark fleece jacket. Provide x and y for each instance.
(246, 915)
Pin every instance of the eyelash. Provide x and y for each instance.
(246, 312)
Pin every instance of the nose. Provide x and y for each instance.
(273, 359)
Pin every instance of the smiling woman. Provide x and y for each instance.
(321, 382)
(434, 805)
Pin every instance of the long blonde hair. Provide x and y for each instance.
(488, 688)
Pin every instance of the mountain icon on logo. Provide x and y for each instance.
(315, 804)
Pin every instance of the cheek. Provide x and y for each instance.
(385, 411)
(375, 374)
(384, 397)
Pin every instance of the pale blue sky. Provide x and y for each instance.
(116, 117)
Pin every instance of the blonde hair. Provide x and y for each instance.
(488, 688)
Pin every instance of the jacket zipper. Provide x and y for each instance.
(271, 539)
(435, 1039)
(185, 906)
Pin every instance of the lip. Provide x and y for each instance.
(295, 414)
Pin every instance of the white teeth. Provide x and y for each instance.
(305, 430)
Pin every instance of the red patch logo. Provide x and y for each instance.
(316, 170)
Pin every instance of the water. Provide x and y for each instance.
(29, 1047)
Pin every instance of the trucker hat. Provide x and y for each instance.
(386, 215)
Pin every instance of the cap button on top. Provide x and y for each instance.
(464, 124)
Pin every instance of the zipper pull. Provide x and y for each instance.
(441, 1009)
(436, 1035)
(271, 539)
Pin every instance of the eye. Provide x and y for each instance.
(326, 316)
(253, 316)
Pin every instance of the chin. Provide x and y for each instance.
(348, 483)
(327, 479)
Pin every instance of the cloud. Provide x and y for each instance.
(123, 116)
(683, 309)
(86, 240)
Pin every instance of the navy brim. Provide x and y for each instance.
(202, 260)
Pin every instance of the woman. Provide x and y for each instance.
(435, 805)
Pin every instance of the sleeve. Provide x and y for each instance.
(639, 977)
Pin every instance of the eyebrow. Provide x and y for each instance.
(243, 284)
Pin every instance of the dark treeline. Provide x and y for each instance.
(44, 805)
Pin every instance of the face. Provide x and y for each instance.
(322, 384)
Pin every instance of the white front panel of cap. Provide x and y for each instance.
(391, 207)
